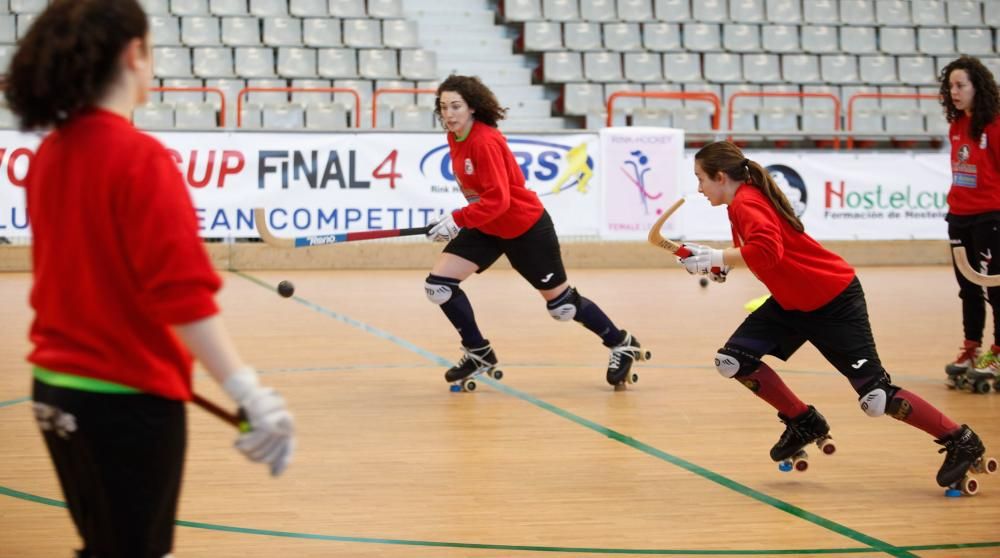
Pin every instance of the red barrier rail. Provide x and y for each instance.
(247, 90)
(856, 96)
(832, 97)
(397, 90)
(706, 96)
(216, 90)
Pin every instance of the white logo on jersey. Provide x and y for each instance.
(982, 141)
(468, 166)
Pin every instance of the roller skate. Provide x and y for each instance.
(977, 380)
(965, 361)
(620, 362)
(474, 361)
(799, 432)
(964, 456)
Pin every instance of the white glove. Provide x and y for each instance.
(271, 436)
(701, 259)
(443, 228)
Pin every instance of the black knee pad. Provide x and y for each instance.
(736, 362)
(878, 397)
(440, 290)
(564, 307)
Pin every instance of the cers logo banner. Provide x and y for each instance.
(792, 185)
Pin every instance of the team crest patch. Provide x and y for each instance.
(468, 166)
(982, 141)
(963, 153)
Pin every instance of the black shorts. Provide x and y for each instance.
(119, 458)
(840, 330)
(535, 254)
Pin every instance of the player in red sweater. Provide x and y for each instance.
(123, 289)
(972, 106)
(502, 217)
(815, 297)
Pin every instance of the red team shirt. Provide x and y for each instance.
(799, 272)
(975, 169)
(493, 184)
(117, 258)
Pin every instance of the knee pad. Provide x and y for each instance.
(440, 290)
(734, 362)
(563, 308)
(879, 398)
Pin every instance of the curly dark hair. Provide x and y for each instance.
(69, 57)
(475, 94)
(986, 103)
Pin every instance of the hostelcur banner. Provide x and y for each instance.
(316, 184)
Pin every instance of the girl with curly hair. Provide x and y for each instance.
(502, 217)
(971, 104)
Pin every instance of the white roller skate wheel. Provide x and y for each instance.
(497, 374)
(646, 355)
(633, 378)
(801, 465)
(970, 486)
(990, 466)
(469, 385)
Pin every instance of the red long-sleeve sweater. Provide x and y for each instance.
(117, 258)
(493, 184)
(799, 272)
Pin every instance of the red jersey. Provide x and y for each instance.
(975, 169)
(116, 257)
(799, 272)
(493, 184)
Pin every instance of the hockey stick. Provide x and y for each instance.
(658, 239)
(239, 421)
(260, 221)
(962, 263)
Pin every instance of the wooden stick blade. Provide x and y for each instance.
(656, 238)
(219, 412)
(962, 263)
(260, 221)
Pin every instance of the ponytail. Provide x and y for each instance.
(724, 156)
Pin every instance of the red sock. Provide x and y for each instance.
(767, 385)
(925, 416)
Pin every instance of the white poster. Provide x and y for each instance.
(641, 173)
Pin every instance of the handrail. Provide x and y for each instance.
(706, 96)
(831, 96)
(247, 90)
(222, 97)
(391, 90)
(856, 96)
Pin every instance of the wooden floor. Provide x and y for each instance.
(550, 461)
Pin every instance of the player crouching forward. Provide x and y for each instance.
(503, 217)
(815, 297)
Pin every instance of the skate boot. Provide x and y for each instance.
(474, 361)
(966, 359)
(620, 362)
(799, 432)
(987, 369)
(964, 456)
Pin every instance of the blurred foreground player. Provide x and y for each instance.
(123, 289)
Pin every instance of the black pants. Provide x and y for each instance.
(982, 246)
(840, 330)
(119, 458)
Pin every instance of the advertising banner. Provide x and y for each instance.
(321, 184)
